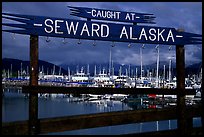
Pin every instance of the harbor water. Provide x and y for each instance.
(15, 108)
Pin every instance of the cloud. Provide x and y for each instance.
(148, 54)
(193, 54)
(187, 15)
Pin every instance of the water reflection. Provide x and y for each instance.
(15, 108)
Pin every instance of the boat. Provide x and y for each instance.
(123, 81)
(80, 79)
(94, 96)
(102, 79)
(118, 96)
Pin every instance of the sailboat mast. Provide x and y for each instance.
(201, 72)
(120, 71)
(170, 70)
(129, 70)
(21, 69)
(141, 58)
(164, 73)
(157, 75)
(8, 74)
(53, 73)
(27, 71)
(112, 68)
(60, 71)
(132, 75)
(109, 73)
(88, 69)
(141, 62)
(11, 70)
(42, 70)
(169, 76)
(95, 70)
(69, 74)
(136, 73)
(18, 74)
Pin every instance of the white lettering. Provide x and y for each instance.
(118, 14)
(127, 16)
(102, 31)
(71, 27)
(107, 29)
(96, 30)
(170, 34)
(133, 16)
(85, 28)
(124, 31)
(154, 35)
(131, 33)
(143, 33)
(105, 14)
(99, 14)
(160, 34)
(51, 28)
(109, 14)
(56, 26)
(93, 13)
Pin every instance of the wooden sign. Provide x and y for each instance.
(92, 30)
(111, 15)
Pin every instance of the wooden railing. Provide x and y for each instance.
(67, 123)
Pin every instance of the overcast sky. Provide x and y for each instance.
(186, 15)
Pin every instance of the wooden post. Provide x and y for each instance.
(180, 70)
(33, 97)
(189, 121)
(202, 100)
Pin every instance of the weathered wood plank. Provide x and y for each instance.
(94, 90)
(67, 123)
(172, 132)
(15, 128)
(103, 119)
(33, 98)
(181, 108)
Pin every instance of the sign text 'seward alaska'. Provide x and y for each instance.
(95, 30)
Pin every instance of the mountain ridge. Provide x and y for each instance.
(48, 67)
